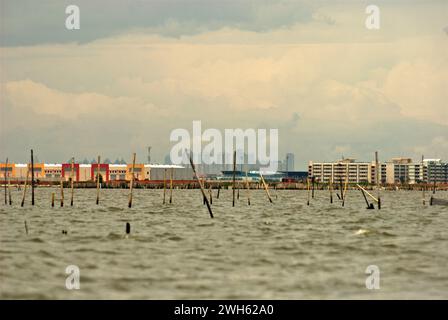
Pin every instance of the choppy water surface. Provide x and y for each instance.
(282, 251)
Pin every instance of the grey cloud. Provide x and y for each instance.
(29, 22)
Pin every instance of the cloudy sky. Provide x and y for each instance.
(138, 69)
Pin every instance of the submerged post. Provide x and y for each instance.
(171, 185)
(72, 169)
(32, 178)
(330, 186)
(200, 185)
(308, 188)
(24, 187)
(248, 190)
(423, 178)
(62, 192)
(233, 185)
(266, 188)
(52, 199)
(9, 189)
(377, 172)
(313, 180)
(164, 185)
(131, 186)
(6, 169)
(98, 181)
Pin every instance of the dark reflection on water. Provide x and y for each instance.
(282, 251)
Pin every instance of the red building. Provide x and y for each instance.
(104, 171)
(67, 169)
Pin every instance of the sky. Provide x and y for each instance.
(136, 70)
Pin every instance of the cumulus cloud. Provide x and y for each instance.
(328, 86)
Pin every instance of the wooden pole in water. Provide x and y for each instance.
(423, 178)
(370, 195)
(32, 178)
(200, 185)
(6, 169)
(9, 189)
(98, 181)
(377, 172)
(171, 185)
(62, 192)
(210, 193)
(313, 180)
(234, 169)
(24, 187)
(52, 199)
(266, 188)
(248, 190)
(308, 190)
(219, 189)
(131, 186)
(72, 169)
(330, 186)
(369, 206)
(345, 186)
(238, 191)
(164, 186)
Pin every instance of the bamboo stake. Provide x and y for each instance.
(6, 168)
(377, 179)
(233, 185)
(131, 186)
(72, 169)
(370, 195)
(266, 188)
(219, 189)
(164, 185)
(24, 187)
(9, 189)
(308, 189)
(62, 192)
(313, 180)
(238, 191)
(200, 185)
(248, 190)
(345, 186)
(210, 193)
(98, 181)
(171, 185)
(423, 189)
(32, 178)
(330, 186)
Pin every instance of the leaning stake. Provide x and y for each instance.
(200, 185)
(266, 188)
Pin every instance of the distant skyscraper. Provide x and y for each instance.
(289, 162)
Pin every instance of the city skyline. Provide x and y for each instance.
(312, 70)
